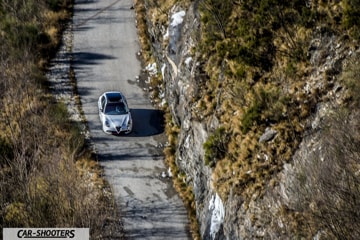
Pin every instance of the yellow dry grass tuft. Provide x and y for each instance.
(53, 33)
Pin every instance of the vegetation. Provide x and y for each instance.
(160, 9)
(215, 147)
(351, 18)
(327, 183)
(179, 178)
(48, 178)
(262, 48)
(256, 58)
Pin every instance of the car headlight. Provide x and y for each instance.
(107, 124)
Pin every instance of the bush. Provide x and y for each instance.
(267, 107)
(20, 35)
(215, 14)
(251, 117)
(216, 146)
(16, 214)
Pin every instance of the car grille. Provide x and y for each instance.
(118, 129)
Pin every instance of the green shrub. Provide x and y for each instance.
(59, 112)
(267, 107)
(16, 215)
(216, 146)
(215, 14)
(251, 117)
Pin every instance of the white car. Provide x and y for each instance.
(114, 113)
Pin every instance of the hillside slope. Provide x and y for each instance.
(48, 178)
(263, 99)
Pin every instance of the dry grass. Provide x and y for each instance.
(50, 180)
(141, 25)
(249, 167)
(53, 33)
(179, 179)
(185, 192)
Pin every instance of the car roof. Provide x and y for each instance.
(114, 96)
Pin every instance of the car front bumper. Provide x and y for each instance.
(118, 130)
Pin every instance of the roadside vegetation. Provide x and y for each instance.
(256, 58)
(159, 11)
(48, 178)
(263, 49)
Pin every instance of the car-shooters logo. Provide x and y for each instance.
(46, 233)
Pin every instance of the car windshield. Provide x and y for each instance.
(116, 109)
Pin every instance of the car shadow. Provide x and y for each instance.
(146, 122)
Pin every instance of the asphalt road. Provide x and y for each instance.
(105, 45)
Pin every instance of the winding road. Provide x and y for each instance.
(105, 46)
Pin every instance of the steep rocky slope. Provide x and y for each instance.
(256, 151)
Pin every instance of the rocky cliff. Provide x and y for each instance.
(180, 71)
(277, 211)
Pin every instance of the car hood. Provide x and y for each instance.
(118, 120)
